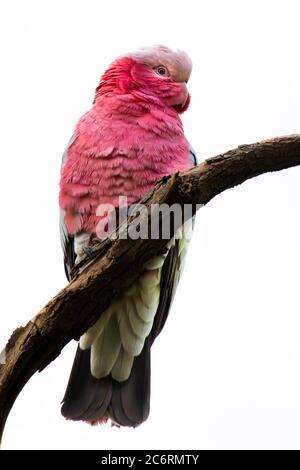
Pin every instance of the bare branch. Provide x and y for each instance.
(115, 264)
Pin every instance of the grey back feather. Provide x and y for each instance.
(67, 241)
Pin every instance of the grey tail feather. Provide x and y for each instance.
(95, 400)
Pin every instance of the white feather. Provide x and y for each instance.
(156, 262)
(150, 297)
(122, 368)
(88, 338)
(144, 312)
(119, 335)
(105, 350)
(140, 328)
(132, 343)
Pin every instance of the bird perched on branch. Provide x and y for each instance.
(130, 138)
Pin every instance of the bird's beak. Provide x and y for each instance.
(184, 104)
(185, 94)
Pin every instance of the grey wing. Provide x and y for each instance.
(67, 241)
(172, 269)
(193, 157)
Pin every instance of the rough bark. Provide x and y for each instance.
(114, 264)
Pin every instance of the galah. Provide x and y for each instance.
(130, 138)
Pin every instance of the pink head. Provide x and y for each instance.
(156, 74)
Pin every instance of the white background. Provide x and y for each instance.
(226, 370)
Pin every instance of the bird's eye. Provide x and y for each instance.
(161, 70)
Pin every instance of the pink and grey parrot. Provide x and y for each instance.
(130, 138)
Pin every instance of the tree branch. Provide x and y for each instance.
(116, 263)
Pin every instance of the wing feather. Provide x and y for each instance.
(67, 241)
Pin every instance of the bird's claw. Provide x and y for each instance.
(87, 250)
